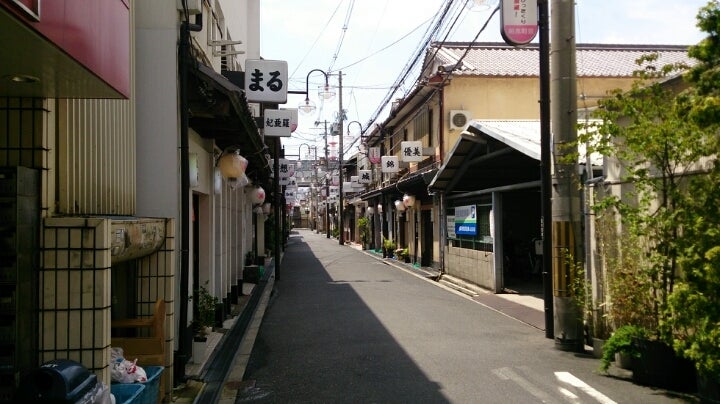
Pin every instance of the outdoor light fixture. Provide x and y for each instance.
(480, 5)
(379, 208)
(232, 167)
(399, 206)
(257, 196)
(308, 106)
(408, 200)
(369, 211)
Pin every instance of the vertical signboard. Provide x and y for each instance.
(519, 21)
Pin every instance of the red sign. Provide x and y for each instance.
(519, 21)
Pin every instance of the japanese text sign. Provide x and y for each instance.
(365, 177)
(390, 164)
(277, 122)
(374, 155)
(284, 168)
(519, 21)
(411, 151)
(266, 80)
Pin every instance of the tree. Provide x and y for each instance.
(694, 306)
(663, 135)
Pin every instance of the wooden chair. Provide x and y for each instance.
(149, 349)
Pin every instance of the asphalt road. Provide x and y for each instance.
(343, 326)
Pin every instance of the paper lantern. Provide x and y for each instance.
(232, 165)
(399, 206)
(408, 200)
(257, 196)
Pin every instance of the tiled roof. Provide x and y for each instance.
(592, 60)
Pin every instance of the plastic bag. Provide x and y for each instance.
(125, 371)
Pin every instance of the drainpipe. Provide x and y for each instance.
(183, 353)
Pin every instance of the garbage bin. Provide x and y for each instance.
(127, 393)
(61, 381)
(151, 394)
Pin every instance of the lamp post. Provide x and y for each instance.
(308, 106)
(361, 130)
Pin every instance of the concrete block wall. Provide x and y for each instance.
(471, 265)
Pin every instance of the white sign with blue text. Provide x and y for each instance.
(466, 220)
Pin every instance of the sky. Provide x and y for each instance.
(373, 41)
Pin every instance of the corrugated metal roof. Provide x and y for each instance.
(593, 60)
(523, 136)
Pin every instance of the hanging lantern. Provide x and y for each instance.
(258, 196)
(232, 165)
(369, 211)
(399, 206)
(408, 200)
(266, 208)
(379, 208)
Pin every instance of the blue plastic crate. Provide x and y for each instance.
(127, 393)
(152, 386)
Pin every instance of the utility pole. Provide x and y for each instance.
(327, 183)
(546, 166)
(567, 243)
(341, 237)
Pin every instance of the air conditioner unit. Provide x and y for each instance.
(459, 119)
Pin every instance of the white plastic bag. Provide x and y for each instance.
(125, 371)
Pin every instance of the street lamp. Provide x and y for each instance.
(324, 92)
(361, 129)
(307, 107)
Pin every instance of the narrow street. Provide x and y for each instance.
(345, 326)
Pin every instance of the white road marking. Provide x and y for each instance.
(568, 378)
(569, 394)
(508, 374)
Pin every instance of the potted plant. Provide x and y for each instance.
(388, 247)
(204, 309)
(621, 342)
(363, 224)
(403, 254)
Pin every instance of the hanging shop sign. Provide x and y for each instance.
(411, 151)
(277, 122)
(266, 81)
(390, 164)
(365, 177)
(519, 21)
(374, 155)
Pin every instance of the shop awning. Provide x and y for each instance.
(219, 111)
(488, 156)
